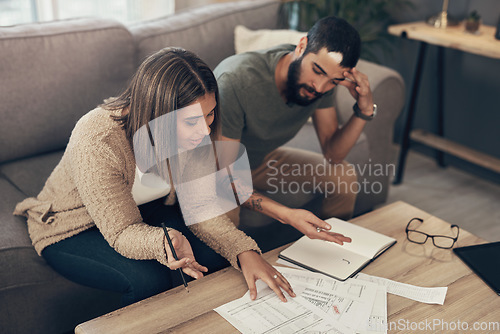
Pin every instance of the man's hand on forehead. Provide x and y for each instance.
(357, 83)
(359, 87)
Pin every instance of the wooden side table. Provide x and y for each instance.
(483, 44)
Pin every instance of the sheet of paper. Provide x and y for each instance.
(377, 323)
(299, 276)
(349, 302)
(268, 314)
(378, 319)
(420, 294)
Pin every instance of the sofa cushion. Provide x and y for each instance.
(27, 282)
(44, 302)
(52, 74)
(14, 232)
(29, 175)
(207, 31)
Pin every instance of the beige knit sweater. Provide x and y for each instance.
(91, 186)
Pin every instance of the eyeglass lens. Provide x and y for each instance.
(417, 237)
(443, 242)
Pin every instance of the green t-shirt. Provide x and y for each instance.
(252, 109)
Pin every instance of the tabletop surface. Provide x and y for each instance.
(482, 43)
(469, 300)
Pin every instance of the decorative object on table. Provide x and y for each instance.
(472, 22)
(497, 34)
(442, 19)
(370, 17)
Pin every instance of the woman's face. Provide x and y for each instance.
(193, 122)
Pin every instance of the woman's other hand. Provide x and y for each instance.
(185, 255)
(254, 267)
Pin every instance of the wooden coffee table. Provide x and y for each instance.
(468, 301)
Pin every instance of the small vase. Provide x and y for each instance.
(472, 26)
(497, 34)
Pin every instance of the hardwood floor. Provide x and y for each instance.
(453, 195)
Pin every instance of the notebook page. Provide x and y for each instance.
(364, 241)
(326, 257)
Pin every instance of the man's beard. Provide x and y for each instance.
(293, 87)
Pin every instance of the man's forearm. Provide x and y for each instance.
(267, 206)
(343, 140)
(254, 202)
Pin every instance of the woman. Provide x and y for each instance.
(97, 219)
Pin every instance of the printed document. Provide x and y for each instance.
(377, 323)
(350, 302)
(268, 314)
(417, 293)
(323, 305)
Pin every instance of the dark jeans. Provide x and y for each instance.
(88, 259)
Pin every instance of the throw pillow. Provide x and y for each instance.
(251, 40)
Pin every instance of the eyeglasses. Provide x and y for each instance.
(440, 241)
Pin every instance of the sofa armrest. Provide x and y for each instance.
(388, 90)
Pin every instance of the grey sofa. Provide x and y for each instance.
(53, 73)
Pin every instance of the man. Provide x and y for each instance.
(267, 96)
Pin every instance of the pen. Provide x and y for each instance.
(174, 254)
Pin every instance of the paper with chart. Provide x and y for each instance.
(268, 314)
(417, 293)
(350, 302)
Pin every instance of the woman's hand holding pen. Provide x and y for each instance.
(254, 267)
(185, 255)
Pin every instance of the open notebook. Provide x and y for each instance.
(340, 262)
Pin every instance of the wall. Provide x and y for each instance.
(472, 85)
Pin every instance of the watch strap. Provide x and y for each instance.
(358, 113)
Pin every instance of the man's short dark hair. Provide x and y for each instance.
(337, 35)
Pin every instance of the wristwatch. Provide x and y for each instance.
(358, 113)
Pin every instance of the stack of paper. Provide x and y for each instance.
(323, 305)
(359, 306)
(268, 314)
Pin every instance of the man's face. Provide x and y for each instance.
(312, 75)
